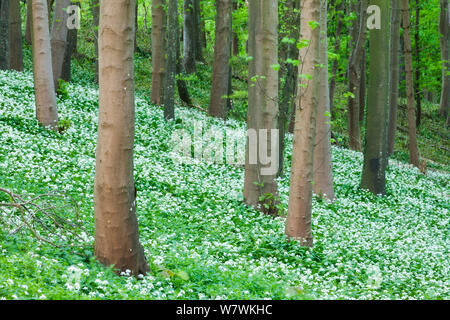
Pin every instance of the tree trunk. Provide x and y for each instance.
(171, 61)
(189, 36)
(4, 37)
(222, 55)
(444, 27)
(394, 73)
(46, 109)
(159, 24)
(337, 47)
(29, 23)
(413, 149)
(375, 153)
(323, 176)
(354, 130)
(58, 39)
(198, 32)
(417, 84)
(95, 9)
(260, 187)
(116, 226)
(298, 223)
(15, 36)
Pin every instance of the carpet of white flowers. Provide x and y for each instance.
(201, 242)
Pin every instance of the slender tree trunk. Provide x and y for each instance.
(71, 49)
(363, 86)
(15, 36)
(198, 32)
(189, 36)
(417, 84)
(222, 55)
(116, 226)
(394, 73)
(354, 130)
(298, 223)
(260, 187)
(444, 28)
(375, 152)
(58, 39)
(323, 176)
(159, 24)
(46, 109)
(235, 36)
(413, 149)
(183, 91)
(4, 36)
(171, 61)
(95, 9)
(29, 23)
(337, 47)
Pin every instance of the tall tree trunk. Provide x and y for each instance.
(260, 187)
(287, 101)
(71, 49)
(337, 46)
(95, 9)
(159, 24)
(375, 153)
(116, 226)
(29, 23)
(394, 73)
(413, 149)
(323, 176)
(183, 91)
(15, 36)
(222, 55)
(354, 130)
(444, 28)
(46, 109)
(58, 38)
(171, 61)
(198, 32)
(189, 36)
(4, 37)
(417, 84)
(298, 223)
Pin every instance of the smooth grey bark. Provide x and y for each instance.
(189, 19)
(4, 37)
(171, 61)
(15, 36)
(444, 28)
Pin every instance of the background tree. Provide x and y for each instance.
(15, 36)
(71, 49)
(4, 37)
(95, 10)
(394, 74)
(444, 29)
(116, 227)
(159, 23)
(189, 29)
(323, 176)
(58, 38)
(413, 149)
(375, 151)
(222, 54)
(260, 190)
(46, 109)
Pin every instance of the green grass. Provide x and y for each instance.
(200, 240)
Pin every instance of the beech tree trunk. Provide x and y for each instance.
(444, 28)
(171, 61)
(159, 24)
(417, 84)
(15, 36)
(337, 47)
(189, 36)
(46, 109)
(116, 226)
(413, 149)
(298, 223)
(375, 152)
(4, 37)
(323, 176)
(198, 32)
(95, 9)
(260, 187)
(355, 71)
(29, 23)
(222, 54)
(58, 38)
(394, 73)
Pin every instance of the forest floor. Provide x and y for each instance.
(200, 240)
